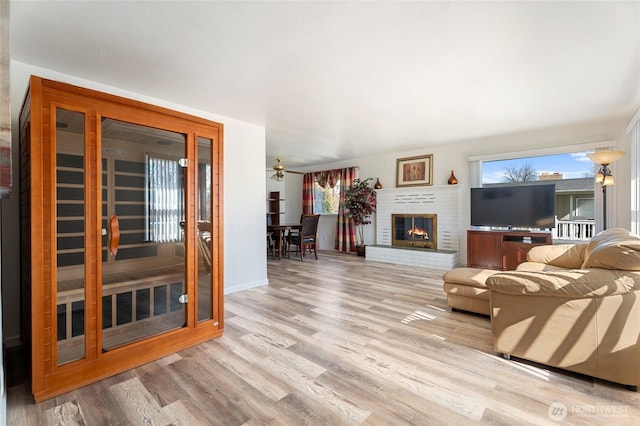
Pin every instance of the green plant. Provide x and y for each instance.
(360, 203)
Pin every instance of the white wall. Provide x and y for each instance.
(455, 157)
(244, 200)
(633, 131)
(290, 189)
(293, 193)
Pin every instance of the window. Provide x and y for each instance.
(585, 208)
(204, 191)
(543, 167)
(327, 199)
(571, 173)
(166, 199)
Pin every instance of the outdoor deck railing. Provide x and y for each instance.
(574, 230)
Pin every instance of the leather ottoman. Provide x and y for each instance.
(466, 289)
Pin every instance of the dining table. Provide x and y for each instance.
(279, 231)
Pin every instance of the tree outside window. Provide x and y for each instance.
(326, 199)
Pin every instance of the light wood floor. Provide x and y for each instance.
(337, 341)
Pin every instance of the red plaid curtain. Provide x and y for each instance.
(322, 178)
(307, 193)
(329, 177)
(345, 232)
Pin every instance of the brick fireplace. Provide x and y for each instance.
(442, 203)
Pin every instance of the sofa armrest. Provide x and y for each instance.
(536, 266)
(576, 284)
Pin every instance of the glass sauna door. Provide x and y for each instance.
(70, 231)
(205, 235)
(143, 214)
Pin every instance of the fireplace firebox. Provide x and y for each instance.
(414, 230)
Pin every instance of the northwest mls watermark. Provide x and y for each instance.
(558, 411)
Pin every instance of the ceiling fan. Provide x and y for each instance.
(279, 170)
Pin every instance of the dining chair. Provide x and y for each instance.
(286, 237)
(307, 237)
(271, 245)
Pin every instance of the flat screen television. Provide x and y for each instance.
(531, 206)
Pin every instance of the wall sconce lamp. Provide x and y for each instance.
(604, 176)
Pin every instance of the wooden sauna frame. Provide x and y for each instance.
(39, 302)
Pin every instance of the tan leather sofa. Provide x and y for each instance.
(575, 307)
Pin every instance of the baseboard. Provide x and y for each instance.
(245, 286)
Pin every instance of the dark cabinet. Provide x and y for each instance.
(484, 250)
(274, 209)
(503, 250)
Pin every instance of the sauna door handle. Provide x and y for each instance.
(114, 235)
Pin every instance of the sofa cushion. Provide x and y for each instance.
(568, 256)
(577, 283)
(468, 276)
(613, 249)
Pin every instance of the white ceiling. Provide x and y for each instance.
(339, 80)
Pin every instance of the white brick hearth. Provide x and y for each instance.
(425, 258)
(443, 201)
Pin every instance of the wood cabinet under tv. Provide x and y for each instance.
(503, 250)
(121, 234)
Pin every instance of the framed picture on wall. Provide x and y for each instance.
(414, 171)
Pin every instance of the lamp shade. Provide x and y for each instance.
(608, 181)
(605, 157)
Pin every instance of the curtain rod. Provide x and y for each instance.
(340, 168)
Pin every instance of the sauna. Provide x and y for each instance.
(121, 226)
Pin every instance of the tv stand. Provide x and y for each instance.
(502, 250)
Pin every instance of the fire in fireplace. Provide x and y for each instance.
(414, 230)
